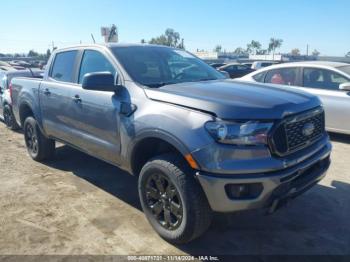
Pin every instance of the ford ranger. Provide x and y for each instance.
(199, 143)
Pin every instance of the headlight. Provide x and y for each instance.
(247, 133)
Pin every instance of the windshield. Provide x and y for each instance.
(154, 66)
(345, 69)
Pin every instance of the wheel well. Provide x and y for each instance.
(24, 112)
(147, 149)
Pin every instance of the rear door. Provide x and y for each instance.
(95, 114)
(325, 84)
(55, 99)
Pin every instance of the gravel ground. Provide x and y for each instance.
(77, 204)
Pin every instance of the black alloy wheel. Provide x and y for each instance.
(31, 139)
(7, 117)
(164, 201)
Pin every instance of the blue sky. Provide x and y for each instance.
(323, 24)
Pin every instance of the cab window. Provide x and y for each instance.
(322, 79)
(63, 66)
(92, 62)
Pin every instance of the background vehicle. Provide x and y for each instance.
(5, 95)
(248, 64)
(217, 65)
(4, 66)
(197, 142)
(328, 80)
(235, 69)
(261, 64)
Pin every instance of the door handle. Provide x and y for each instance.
(77, 99)
(47, 91)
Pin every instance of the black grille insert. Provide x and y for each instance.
(298, 131)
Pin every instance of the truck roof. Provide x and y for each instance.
(111, 45)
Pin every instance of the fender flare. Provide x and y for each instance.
(158, 134)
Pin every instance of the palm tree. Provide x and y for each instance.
(274, 43)
(255, 46)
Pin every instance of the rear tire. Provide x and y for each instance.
(9, 118)
(39, 147)
(172, 200)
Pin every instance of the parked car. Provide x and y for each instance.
(235, 69)
(261, 64)
(197, 142)
(328, 80)
(7, 68)
(248, 64)
(6, 113)
(217, 65)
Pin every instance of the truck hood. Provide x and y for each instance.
(230, 100)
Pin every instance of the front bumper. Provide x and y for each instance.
(277, 186)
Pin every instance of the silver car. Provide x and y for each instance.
(328, 80)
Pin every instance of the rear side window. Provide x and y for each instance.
(93, 62)
(282, 76)
(62, 69)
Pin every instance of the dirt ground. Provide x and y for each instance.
(77, 204)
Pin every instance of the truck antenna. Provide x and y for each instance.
(93, 38)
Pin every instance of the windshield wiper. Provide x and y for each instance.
(207, 79)
(160, 84)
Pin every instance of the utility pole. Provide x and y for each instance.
(307, 50)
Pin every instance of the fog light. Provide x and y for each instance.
(243, 191)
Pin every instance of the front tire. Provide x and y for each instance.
(9, 118)
(172, 200)
(39, 147)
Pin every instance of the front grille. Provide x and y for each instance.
(291, 135)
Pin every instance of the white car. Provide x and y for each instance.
(261, 64)
(328, 80)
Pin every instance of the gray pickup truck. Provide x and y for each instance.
(198, 143)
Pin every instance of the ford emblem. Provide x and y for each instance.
(308, 129)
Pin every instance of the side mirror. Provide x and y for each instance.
(345, 86)
(99, 81)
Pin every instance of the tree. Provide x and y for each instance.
(48, 53)
(160, 40)
(239, 51)
(170, 38)
(295, 52)
(217, 48)
(181, 45)
(348, 54)
(32, 53)
(315, 53)
(274, 44)
(253, 47)
(143, 41)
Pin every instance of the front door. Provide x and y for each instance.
(95, 114)
(325, 84)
